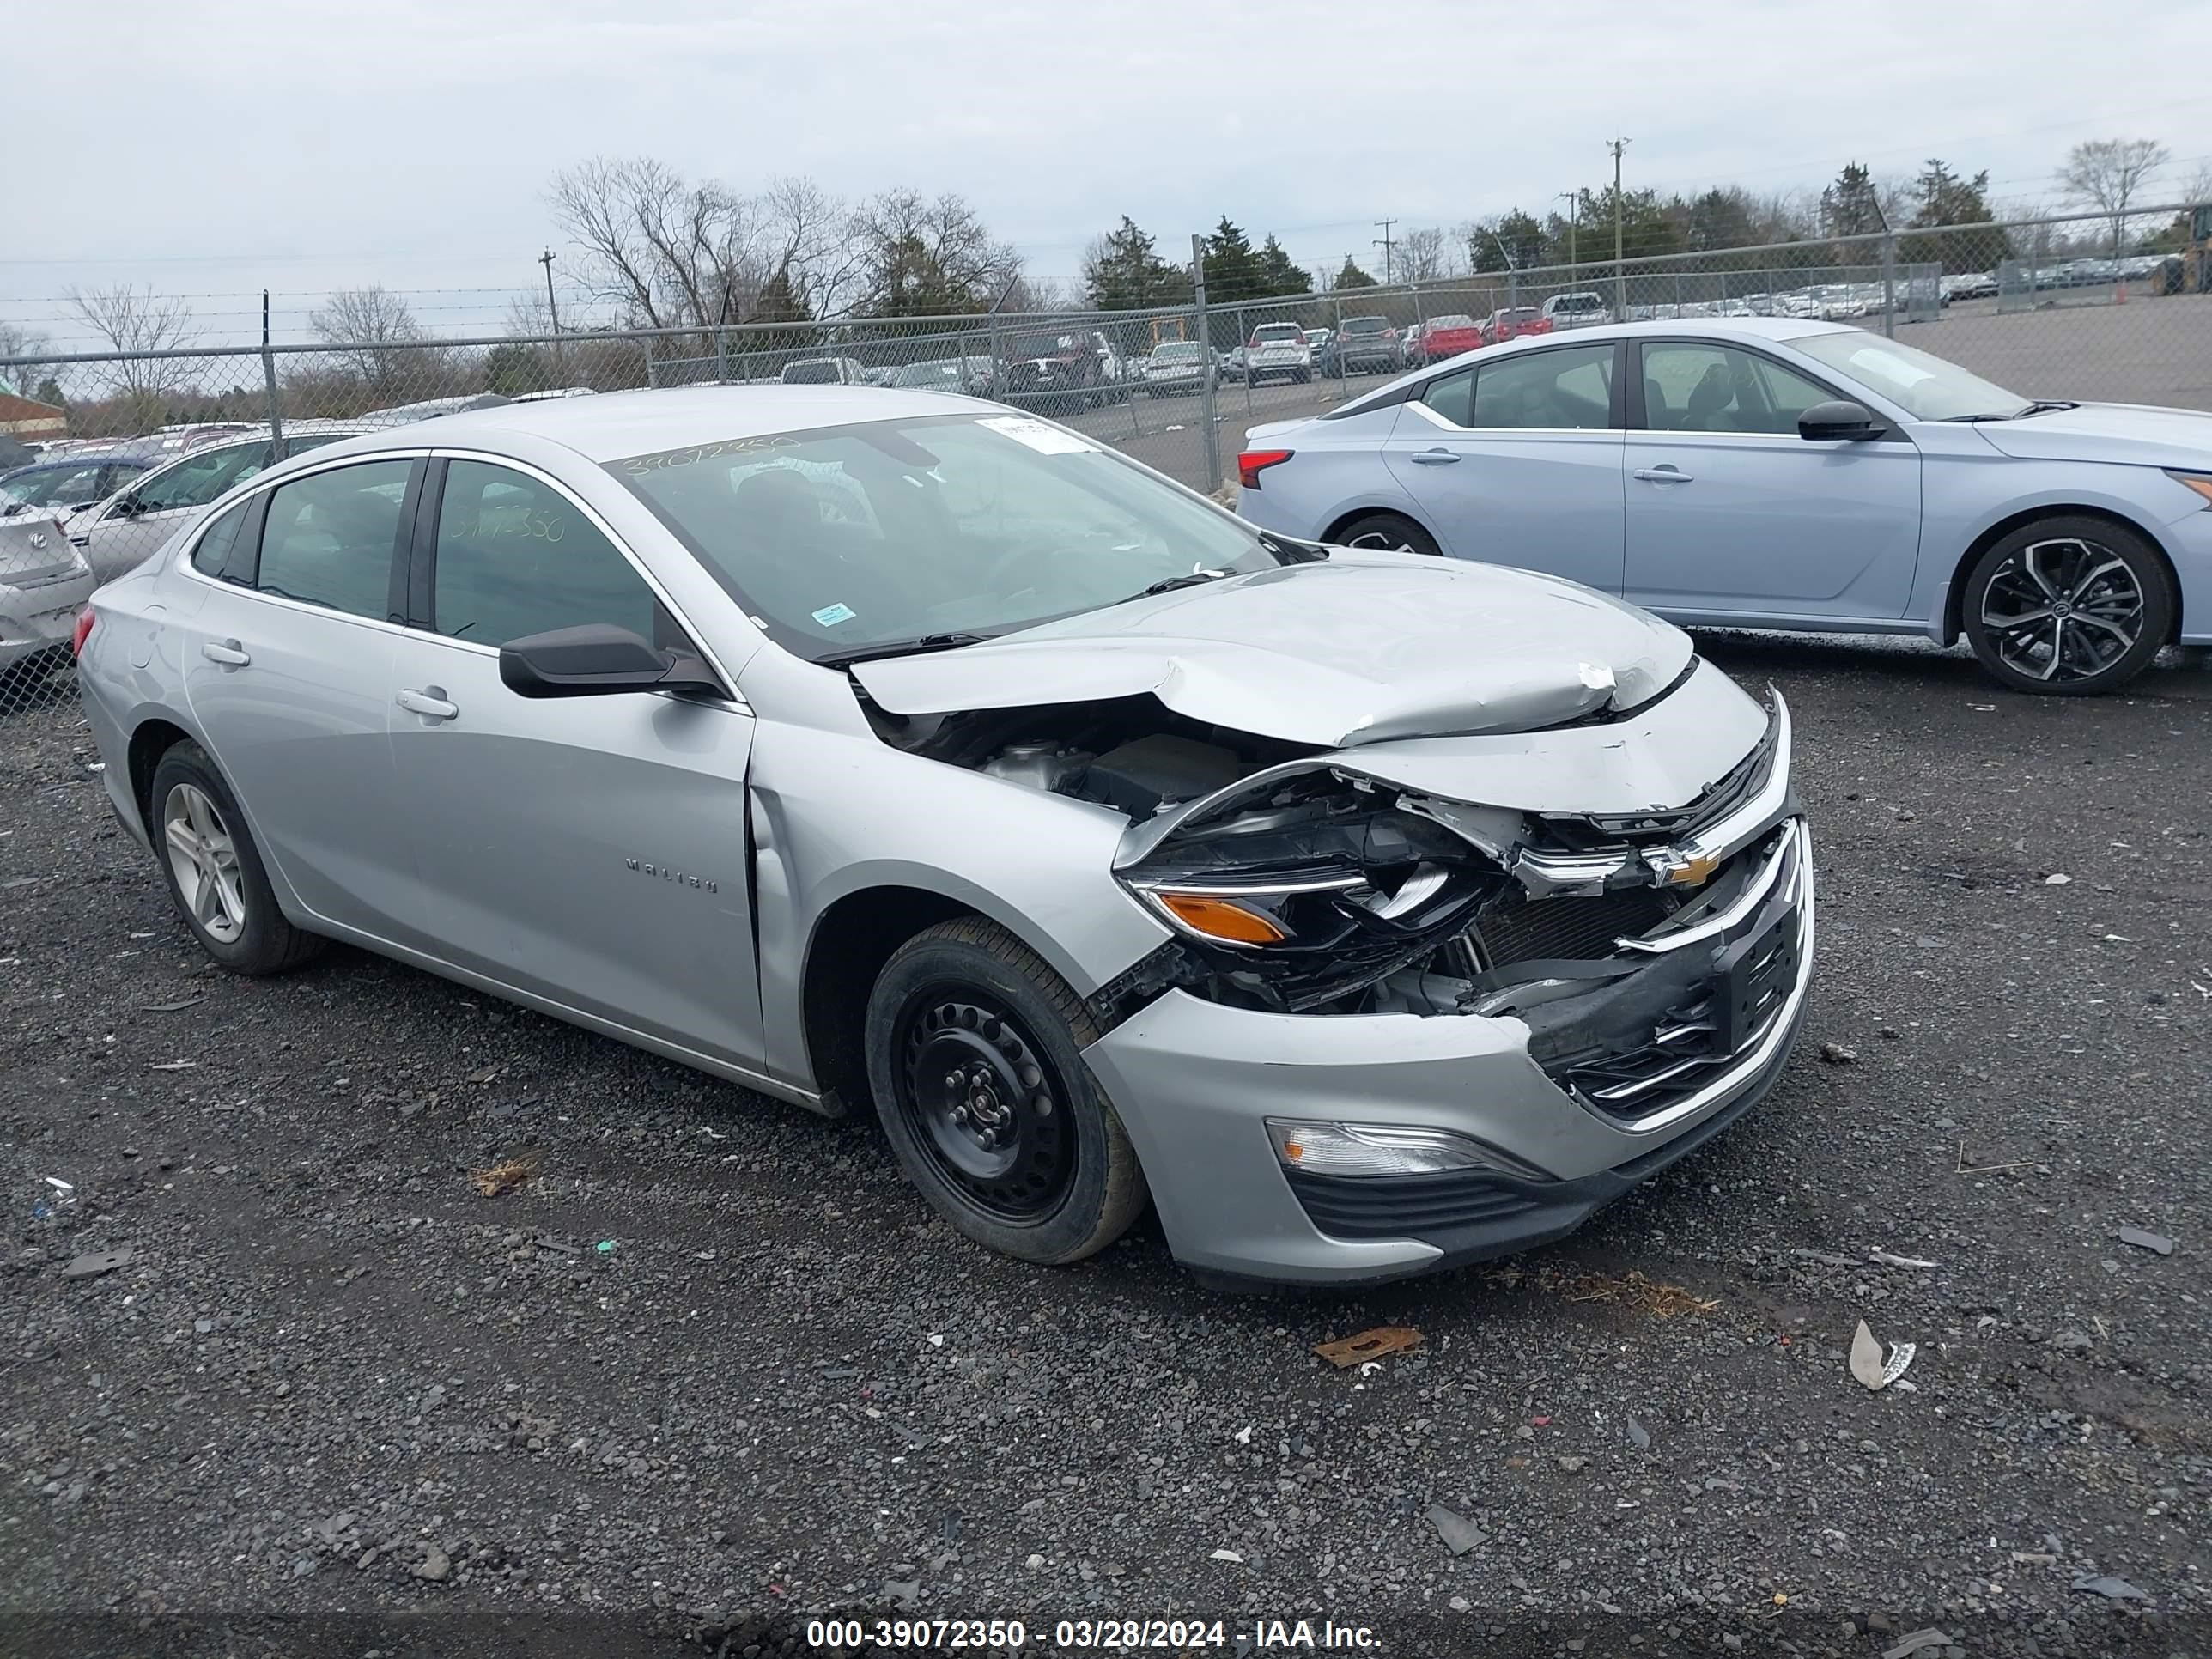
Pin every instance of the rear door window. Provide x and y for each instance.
(1570, 388)
(330, 537)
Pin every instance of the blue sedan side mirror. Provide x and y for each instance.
(1839, 419)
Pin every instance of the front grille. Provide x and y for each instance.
(1398, 1206)
(1529, 930)
(1711, 1027)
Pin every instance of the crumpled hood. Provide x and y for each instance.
(1364, 648)
(2138, 435)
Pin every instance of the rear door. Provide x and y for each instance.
(1730, 512)
(1515, 459)
(588, 850)
(288, 670)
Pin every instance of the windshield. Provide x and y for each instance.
(937, 374)
(1454, 321)
(1176, 354)
(1278, 334)
(1365, 325)
(817, 371)
(849, 537)
(1927, 387)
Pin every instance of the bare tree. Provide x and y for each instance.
(668, 252)
(127, 321)
(377, 338)
(2109, 174)
(18, 340)
(922, 255)
(1429, 254)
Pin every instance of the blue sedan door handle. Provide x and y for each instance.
(1663, 474)
(1435, 456)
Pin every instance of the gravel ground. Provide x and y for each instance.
(715, 1368)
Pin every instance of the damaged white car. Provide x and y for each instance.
(1363, 912)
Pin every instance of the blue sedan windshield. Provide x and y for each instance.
(1930, 388)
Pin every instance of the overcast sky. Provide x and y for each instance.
(213, 148)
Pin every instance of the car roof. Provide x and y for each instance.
(615, 424)
(1745, 328)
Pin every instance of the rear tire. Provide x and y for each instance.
(1390, 531)
(975, 1058)
(2068, 606)
(214, 870)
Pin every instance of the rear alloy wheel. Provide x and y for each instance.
(975, 1058)
(2068, 606)
(1389, 531)
(214, 869)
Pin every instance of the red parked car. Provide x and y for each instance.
(1511, 322)
(1447, 336)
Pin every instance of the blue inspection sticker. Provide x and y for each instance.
(830, 615)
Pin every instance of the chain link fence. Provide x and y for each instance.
(133, 446)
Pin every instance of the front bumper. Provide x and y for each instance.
(1194, 1082)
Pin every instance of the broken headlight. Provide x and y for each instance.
(1312, 887)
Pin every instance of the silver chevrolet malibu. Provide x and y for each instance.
(1365, 913)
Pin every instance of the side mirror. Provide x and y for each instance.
(593, 660)
(1838, 420)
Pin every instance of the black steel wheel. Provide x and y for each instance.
(2068, 606)
(980, 1102)
(975, 1058)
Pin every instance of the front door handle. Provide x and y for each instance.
(1435, 456)
(1664, 474)
(429, 702)
(229, 652)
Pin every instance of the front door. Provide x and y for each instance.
(1731, 512)
(1517, 460)
(589, 850)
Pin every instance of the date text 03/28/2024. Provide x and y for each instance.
(1108, 1635)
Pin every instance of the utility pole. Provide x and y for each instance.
(1620, 271)
(1573, 199)
(553, 311)
(1383, 242)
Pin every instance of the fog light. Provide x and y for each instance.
(1374, 1148)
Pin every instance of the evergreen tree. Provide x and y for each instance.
(1278, 273)
(1232, 270)
(1123, 272)
(1852, 206)
(1351, 275)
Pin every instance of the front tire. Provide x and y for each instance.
(1390, 531)
(214, 872)
(975, 1058)
(2068, 606)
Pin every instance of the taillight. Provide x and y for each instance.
(85, 618)
(1253, 462)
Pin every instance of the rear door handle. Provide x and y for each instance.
(1664, 474)
(431, 703)
(1435, 456)
(229, 652)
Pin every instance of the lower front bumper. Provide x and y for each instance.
(1195, 1081)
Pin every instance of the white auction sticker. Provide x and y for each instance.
(1046, 440)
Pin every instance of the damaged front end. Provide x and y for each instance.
(1649, 953)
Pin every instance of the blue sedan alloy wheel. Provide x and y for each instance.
(2068, 606)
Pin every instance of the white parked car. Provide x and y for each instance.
(1278, 351)
(1583, 310)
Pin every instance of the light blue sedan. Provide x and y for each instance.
(1779, 473)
